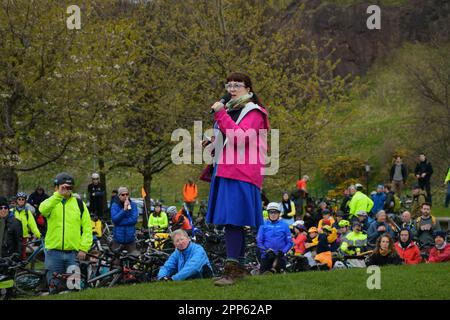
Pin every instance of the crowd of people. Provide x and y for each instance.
(365, 230)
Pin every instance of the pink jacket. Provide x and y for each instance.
(246, 159)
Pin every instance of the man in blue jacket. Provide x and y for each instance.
(124, 215)
(378, 227)
(188, 261)
(378, 198)
(274, 240)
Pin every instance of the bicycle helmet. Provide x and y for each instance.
(344, 223)
(21, 195)
(172, 210)
(312, 229)
(273, 206)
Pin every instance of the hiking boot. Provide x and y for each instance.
(241, 271)
(230, 275)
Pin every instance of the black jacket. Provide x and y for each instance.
(96, 198)
(389, 202)
(35, 200)
(12, 237)
(404, 172)
(424, 167)
(377, 259)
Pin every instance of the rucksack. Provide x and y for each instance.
(80, 206)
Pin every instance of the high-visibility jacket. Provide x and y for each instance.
(190, 192)
(359, 202)
(447, 178)
(354, 239)
(67, 228)
(159, 223)
(97, 227)
(28, 222)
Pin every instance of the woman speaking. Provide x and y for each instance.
(235, 193)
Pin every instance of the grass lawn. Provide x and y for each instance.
(440, 212)
(424, 281)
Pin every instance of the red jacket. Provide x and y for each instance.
(299, 243)
(440, 255)
(410, 255)
(301, 185)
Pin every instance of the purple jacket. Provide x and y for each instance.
(246, 159)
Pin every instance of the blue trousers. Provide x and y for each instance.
(58, 261)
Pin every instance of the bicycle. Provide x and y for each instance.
(17, 280)
(37, 254)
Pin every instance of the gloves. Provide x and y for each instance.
(270, 253)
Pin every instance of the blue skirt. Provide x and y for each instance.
(234, 202)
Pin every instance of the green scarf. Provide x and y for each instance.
(234, 103)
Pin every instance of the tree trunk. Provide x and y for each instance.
(101, 166)
(9, 182)
(147, 187)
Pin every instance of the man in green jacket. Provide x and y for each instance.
(359, 202)
(69, 231)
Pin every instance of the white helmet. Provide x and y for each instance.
(298, 223)
(95, 176)
(172, 210)
(274, 206)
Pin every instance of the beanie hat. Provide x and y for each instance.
(122, 190)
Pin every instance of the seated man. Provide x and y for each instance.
(408, 223)
(441, 250)
(188, 261)
(274, 240)
(378, 227)
(426, 225)
(407, 249)
(353, 244)
(364, 220)
(181, 221)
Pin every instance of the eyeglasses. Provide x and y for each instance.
(21, 199)
(3, 208)
(273, 212)
(124, 194)
(234, 85)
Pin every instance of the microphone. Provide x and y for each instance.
(225, 98)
